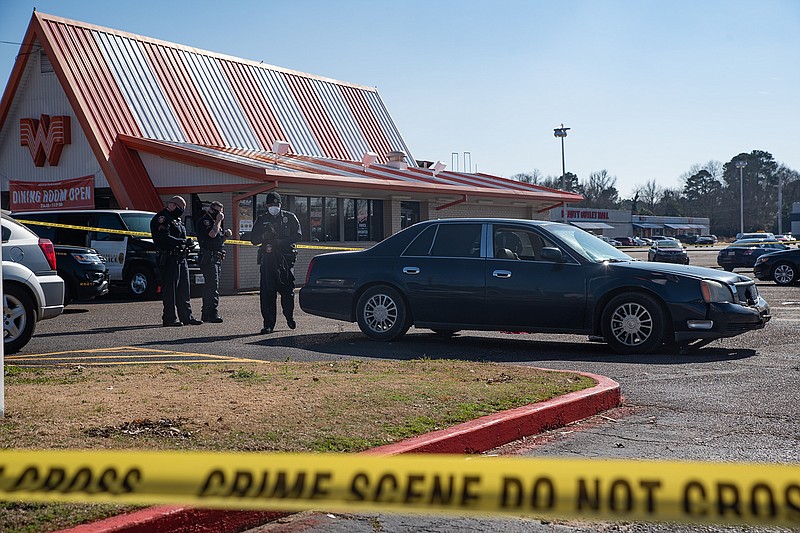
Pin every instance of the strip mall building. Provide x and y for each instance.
(137, 120)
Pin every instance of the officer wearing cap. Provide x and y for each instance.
(169, 235)
(211, 236)
(276, 231)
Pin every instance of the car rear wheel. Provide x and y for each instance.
(784, 274)
(382, 314)
(633, 323)
(141, 283)
(19, 318)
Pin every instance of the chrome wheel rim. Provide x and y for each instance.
(784, 274)
(380, 313)
(631, 324)
(14, 318)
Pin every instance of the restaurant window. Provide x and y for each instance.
(409, 214)
(334, 219)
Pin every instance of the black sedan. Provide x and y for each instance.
(782, 267)
(527, 276)
(744, 252)
(84, 273)
(668, 252)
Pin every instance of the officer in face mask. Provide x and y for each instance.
(276, 231)
(169, 235)
(211, 236)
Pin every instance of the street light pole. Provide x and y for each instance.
(740, 165)
(562, 132)
(780, 203)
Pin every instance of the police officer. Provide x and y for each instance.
(276, 231)
(211, 236)
(169, 235)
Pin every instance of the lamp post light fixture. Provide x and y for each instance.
(562, 132)
(740, 165)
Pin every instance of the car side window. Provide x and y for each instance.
(109, 221)
(6, 234)
(74, 237)
(421, 245)
(514, 243)
(457, 240)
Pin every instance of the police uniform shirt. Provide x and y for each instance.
(204, 227)
(285, 224)
(168, 232)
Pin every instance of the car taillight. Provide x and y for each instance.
(49, 252)
(308, 272)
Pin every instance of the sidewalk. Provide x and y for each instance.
(476, 436)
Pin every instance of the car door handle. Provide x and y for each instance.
(410, 270)
(502, 273)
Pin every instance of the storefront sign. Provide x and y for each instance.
(45, 138)
(75, 193)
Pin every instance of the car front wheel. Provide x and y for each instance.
(633, 323)
(784, 274)
(141, 283)
(382, 314)
(19, 318)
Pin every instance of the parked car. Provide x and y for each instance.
(666, 251)
(32, 289)
(526, 276)
(132, 259)
(626, 241)
(705, 240)
(609, 240)
(686, 239)
(643, 241)
(85, 274)
(756, 235)
(782, 267)
(786, 237)
(744, 252)
(655, 238)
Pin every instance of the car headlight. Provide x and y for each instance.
(87, 259)
(762, 259)
(715, 292)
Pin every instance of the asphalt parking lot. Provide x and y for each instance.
(735, 400)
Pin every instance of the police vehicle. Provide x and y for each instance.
(132, 257)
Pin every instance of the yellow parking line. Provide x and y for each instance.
(130, 355)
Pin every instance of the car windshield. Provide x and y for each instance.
(668, 244)
(587, 245)
(137, 221)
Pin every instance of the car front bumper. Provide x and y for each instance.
(727, 320)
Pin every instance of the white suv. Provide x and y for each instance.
(32, 290)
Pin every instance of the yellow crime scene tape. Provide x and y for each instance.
(618, 490)
(149, 236)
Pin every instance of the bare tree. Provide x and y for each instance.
(532, 177)
(647, 196)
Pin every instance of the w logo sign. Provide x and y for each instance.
(45, 138)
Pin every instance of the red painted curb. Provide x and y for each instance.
(475, 436)
(495, 430)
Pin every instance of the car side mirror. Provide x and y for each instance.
(552, 254)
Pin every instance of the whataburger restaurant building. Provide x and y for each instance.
(98, 118)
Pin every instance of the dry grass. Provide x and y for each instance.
(346, 406)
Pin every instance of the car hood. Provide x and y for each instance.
(695, 272)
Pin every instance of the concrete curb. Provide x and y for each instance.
(475, 436)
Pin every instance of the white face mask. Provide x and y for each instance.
(274, 210)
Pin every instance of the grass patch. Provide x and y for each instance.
(341, 406)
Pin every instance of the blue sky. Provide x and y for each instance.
(648, 88)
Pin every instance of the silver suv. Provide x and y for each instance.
(32, 290)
